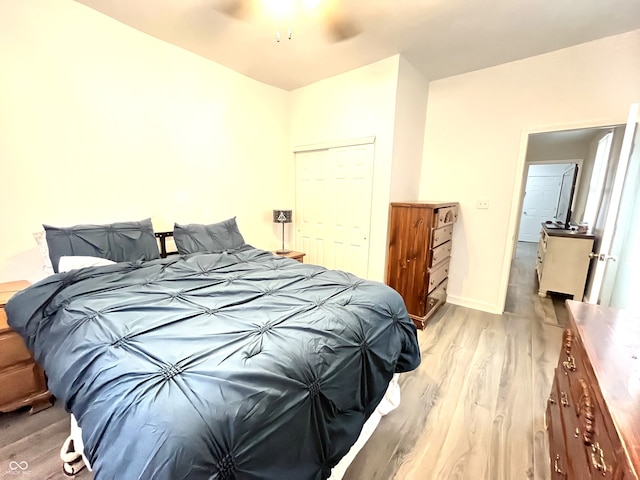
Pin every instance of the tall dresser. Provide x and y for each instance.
(593, 410)
(22, 382)
(419, 252)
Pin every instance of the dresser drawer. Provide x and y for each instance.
(441, 235)
(12, 350)
(438, 254)
(574, 422)
(589, 437)
(437, 297)
(436, 275)
(445, 216)
(601, 453)
(20, 382)
(557, 446)
(586, 424)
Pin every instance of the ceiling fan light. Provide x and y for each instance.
(311, 4)
(280, 7)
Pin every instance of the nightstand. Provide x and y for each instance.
(299, 256)
(22, 382)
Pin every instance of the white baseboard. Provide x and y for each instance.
(475, 305)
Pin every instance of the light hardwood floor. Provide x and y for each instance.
(474, 409)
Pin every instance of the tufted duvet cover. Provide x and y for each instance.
(240, 365)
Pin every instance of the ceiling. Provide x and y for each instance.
(439, 37)
(564, 137)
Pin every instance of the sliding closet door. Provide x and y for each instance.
(333, 206)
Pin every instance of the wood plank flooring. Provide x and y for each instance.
(474, 409)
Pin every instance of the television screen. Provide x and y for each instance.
(567, 188)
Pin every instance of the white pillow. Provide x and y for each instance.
(75, 262)
(41, 240)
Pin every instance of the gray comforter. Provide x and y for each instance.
(240, 365)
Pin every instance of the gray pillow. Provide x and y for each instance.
(119, 242)
(214, 238)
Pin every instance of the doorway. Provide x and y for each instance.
(542, 190)
(548, 155)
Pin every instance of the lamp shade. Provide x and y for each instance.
(282, 216)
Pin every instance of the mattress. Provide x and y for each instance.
(216, 366)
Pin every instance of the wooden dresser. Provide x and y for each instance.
(419, 252)
(563, 261)
(593, 411)
(22, 382)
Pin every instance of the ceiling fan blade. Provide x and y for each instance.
(343, 29)
(240, 9)
(341, 24)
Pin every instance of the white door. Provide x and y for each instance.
(539, 205)
(333, 207)
(603, 279)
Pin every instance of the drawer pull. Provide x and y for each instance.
(564, 399)
(567, 340)
(569, 364)
(585, 411)
(552, 400)
(436, 239)
(597, 459)
(556, 466)
(577, 434)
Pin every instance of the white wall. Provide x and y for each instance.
(475, 145)
(101, 123)
(356, 104)
(408, 134)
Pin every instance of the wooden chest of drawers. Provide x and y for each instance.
(419, 252)
(593, 411)
(22, 382)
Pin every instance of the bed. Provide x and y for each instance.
(237, 364)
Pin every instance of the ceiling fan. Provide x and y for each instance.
(338, 21)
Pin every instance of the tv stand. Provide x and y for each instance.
(563, 261)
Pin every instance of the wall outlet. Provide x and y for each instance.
(482, 204)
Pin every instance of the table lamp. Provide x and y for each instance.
(282, 216)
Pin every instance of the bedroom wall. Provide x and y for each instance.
(101, 123)
(356, 104)
(408, 134)
(475, 138)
